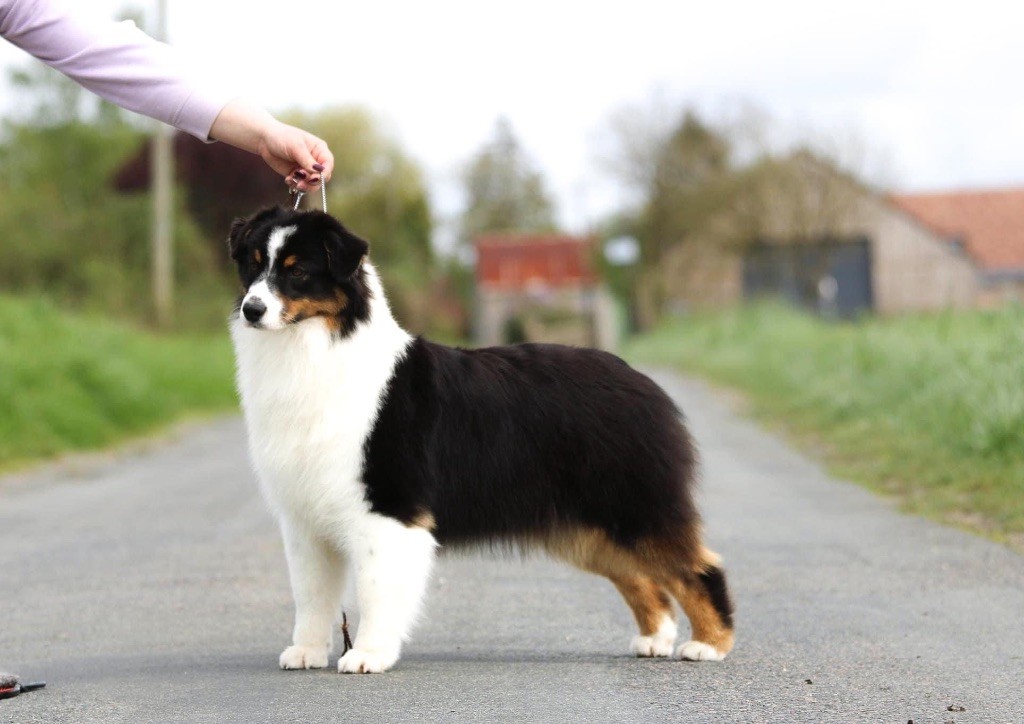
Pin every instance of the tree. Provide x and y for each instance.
(504, 191)
(681, 176)
(64, 232)
(792, 198)
(688, 187)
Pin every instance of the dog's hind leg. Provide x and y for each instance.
(651, 605)
(392, 562)
(643, 572)
(704, 596)
(652, 608)
(317, 573)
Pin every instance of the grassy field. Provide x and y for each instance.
(929, 409)
(69, 382)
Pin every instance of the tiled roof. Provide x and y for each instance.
(990, 224)
(519, 262)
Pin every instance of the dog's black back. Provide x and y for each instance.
(513, 442)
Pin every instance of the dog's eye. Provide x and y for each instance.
(298, 272)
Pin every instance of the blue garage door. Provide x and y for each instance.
(831, 277)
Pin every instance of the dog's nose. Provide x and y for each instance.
(254, 309)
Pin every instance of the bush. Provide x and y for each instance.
(65, 233)
(71, 382)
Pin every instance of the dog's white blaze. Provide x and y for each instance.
(276, 240)
(273, 318)
(310, 402)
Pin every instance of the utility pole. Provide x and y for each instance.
(162, 184)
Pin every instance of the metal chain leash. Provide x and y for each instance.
(299, 194)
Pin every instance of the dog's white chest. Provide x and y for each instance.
(310, 404)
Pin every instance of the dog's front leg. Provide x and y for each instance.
(317, 573)
(392, 563)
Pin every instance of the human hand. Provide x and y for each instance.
(302, 158)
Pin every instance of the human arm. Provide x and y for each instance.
(116, 61)
(120, 63)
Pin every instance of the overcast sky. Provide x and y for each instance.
(930, 93)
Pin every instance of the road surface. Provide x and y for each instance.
(153, 587)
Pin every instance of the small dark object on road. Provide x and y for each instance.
(955, 707)
(10, 685)
(808, 681)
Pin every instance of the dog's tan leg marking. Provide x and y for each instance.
(652, 609)
(676, 566)
(650, 603)
(712, 636)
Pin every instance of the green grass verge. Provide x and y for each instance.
(70, 382)
(929, 409)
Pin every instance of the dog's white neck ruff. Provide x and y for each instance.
(310, 402)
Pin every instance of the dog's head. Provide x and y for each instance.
(299, 265)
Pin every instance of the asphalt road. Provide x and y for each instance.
(153, 588)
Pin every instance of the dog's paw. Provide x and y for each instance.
(659, 643)
(357, 661)
(699, 651)
(303, 657)
(647, 646)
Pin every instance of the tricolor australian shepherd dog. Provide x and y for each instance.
(374, 447)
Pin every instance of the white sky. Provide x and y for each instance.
(930, 92)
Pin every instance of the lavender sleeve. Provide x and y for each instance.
(117, 61)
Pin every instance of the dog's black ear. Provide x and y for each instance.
(345, 251)
(235, 236)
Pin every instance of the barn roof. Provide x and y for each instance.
(989, 224)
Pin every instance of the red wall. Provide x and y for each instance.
(517, 263)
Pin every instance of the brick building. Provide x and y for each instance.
(883, 253)
(541, 288)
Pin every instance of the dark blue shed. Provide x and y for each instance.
(828, 276)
